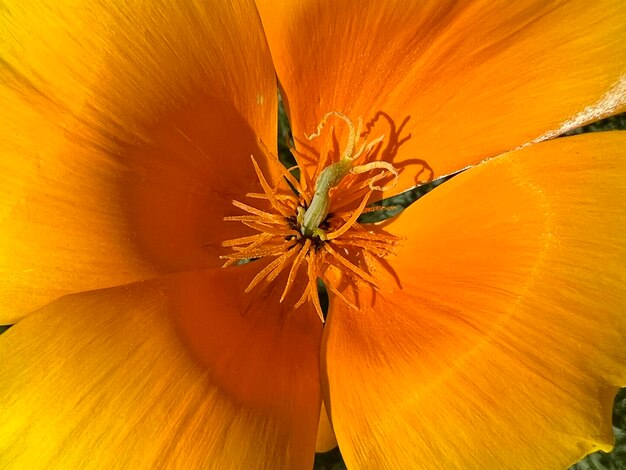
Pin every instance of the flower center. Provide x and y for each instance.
(312, 227)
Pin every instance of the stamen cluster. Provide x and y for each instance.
(314, 226)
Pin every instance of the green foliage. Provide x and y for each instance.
(330, 460)
(613, 123)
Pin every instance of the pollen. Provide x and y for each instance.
(309, 224)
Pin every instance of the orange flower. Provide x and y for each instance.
(481, 328)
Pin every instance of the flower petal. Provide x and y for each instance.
(456, 81)
(326, 440)
(183, 372)
(504, 344)
(125, 131)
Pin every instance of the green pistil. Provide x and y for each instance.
(317, 212)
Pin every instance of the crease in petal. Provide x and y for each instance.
(499, 343)
(611, 103)
(114, 379)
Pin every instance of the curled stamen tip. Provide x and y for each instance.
(376, 141)
(382, 165)
(228, 263)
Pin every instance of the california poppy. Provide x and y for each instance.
(480, 328)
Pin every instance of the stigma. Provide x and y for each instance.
(312, 225)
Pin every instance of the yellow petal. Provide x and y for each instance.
(183, 372)
(125, 131)
(456, 81)
(326, 439)
(504, 345)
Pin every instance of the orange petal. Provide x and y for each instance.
(504, 344)
(183, 372)
(456, 81)
(125, 131)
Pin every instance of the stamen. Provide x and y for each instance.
(278, 197)
(259, 238)
(266, 188)
(350, 222)
(260, 253)
(338, 293)
(374, 165)
(299, 227)
(369, 209)
(278, 262)
(284, 231)
(365, 148)
(310, 292)
(255, 241)
(294, 268)
(313, 294)
(253, 210)
(281, 169)
(305, 181)
(347, 154)
(359, 272)
(346, 198)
